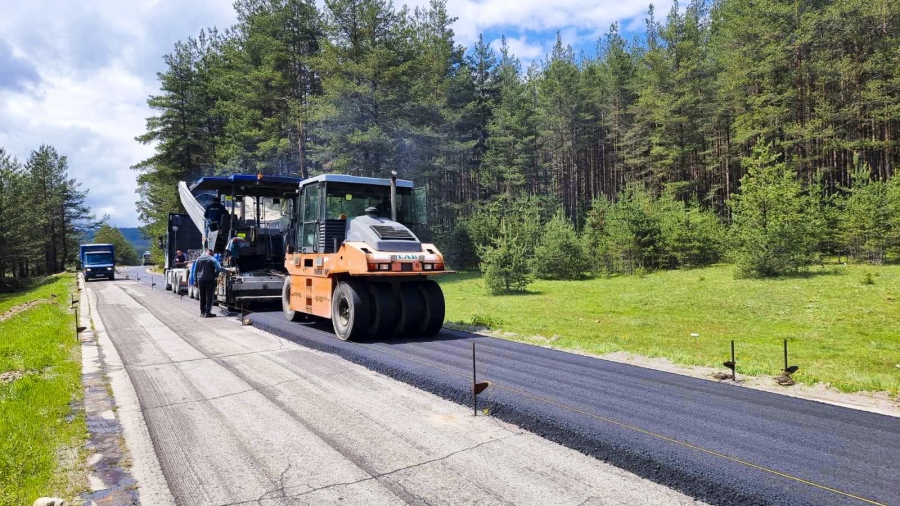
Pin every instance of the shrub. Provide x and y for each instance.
(504, 264)
(559, 254)
(487, 321)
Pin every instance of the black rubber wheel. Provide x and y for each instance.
(412, 310)
(290, 314)
(351, 311)
(384, 317)
(434, 308)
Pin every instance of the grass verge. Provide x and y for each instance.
(43, 434)
(842, 325)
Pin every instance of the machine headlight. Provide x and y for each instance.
(88, 269)
(109, 268)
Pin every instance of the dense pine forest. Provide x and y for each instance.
(636, 155)
(43, 215)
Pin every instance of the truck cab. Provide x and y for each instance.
(98, 261)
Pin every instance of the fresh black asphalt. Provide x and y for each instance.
(720, 443)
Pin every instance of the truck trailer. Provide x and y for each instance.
(181, 234)
(98, 261)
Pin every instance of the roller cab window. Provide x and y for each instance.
(348, 200)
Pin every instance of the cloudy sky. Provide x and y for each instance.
(76, 74)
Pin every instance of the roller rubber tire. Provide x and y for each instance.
(351, 311)
(434, 308)
(385, 309)
(412, 310)
(290, 314)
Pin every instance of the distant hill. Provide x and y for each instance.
(133, 235)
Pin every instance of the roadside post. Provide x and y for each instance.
(792, 368)
(731, 364)
(477, 387)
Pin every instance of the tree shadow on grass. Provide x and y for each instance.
(13, 287)
(459, 277)
(526, 293)
(810, 274)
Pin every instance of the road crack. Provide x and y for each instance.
(377, 477)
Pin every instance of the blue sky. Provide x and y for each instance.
(76, 75)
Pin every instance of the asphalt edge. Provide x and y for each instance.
(152, 487)
(587, 444)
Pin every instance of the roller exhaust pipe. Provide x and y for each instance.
(393, 195)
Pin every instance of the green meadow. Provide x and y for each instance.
(842, 323)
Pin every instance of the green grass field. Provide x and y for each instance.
(41, 434)
(840, 330)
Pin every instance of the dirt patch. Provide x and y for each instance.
(10, 376)
(23, 307)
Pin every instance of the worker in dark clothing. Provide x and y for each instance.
(207, 270)
(212, 214)
(180, 259)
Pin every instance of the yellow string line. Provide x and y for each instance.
(638, 429)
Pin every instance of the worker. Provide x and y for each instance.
(212, 214)
(208, 268)
(180, 259)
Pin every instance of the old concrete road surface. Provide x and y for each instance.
(238, 416)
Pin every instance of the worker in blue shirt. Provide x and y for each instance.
(207, 269)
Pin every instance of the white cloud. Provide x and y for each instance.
(594, 16)
(531, 25)
(524, 50)
(91, 67)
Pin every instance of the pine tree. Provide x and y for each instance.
(511, 155)
(771, 227)
(12, 214)
(504, 264)
(560, 109)
(866, 224)
(267, 82)
(366, 67)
